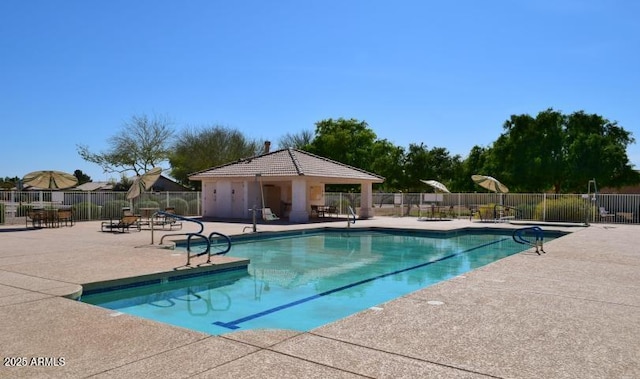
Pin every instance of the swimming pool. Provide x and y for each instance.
(304, 280)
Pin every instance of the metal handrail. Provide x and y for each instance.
(207, 251)
(518, 236)
(351, 211)
(227, 240)
(167, 214)
(191, 235)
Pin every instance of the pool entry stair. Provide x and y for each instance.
(214, 241)
(532, 236)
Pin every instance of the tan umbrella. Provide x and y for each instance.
(48, 179)
(144, 182)
(490, 183)
(437, 185)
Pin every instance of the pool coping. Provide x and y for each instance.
(569, 313)
(160, 277)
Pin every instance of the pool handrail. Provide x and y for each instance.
(191, 235)
(207, 250)
(227, 240)
(539, 237)
(352, 213)
(167, 214)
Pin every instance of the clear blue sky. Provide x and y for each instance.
(443, 73)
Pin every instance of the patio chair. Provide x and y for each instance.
(37, 217)
(121, 225)
(605, 214)
(65, 215)
(267, 215)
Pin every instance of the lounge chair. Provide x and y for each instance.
(605, 214)
(121, 225)
(166, 220)
(267, 215)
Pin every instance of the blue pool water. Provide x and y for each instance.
(303, 281)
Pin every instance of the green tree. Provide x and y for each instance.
(8, 183)
(387, 161)
(527, 157)
(560, 153)
(141, 144)
(596, 149)
(422, 163)
(199, 149)
(81, 176)
(346, 141)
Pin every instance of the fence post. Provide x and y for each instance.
(89, 215)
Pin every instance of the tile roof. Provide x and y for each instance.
(289, 163)
(95, 186)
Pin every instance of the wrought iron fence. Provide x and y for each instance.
(575, 208)
(97, 205)
(619, 208)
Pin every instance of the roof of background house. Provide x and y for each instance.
(288, 163)
(95, 186)
(163, 184)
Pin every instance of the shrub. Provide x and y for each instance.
(146, 204)
(194, 207)
(569, 209)
(526, 211)
(113, 209)
(82, 211)
(181, 206)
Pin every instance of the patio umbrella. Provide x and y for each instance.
(490, 183)
(143, 182)
(48, 179)
(437, 185)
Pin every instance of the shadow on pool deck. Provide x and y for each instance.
(573, 312)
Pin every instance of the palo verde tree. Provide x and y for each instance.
(199, 149)
(141, 144)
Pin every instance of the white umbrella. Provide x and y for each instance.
(48, 179)
(143, 182)
(436, 184)
(490, 183)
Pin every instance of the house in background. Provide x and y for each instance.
(163, 184)
(95, 186)
(289, 181)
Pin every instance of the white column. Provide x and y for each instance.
(366, 201)
(299, 201)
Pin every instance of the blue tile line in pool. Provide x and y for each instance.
(234, 324)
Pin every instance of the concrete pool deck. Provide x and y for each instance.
(573, 312)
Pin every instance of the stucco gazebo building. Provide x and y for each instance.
(289, 181)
